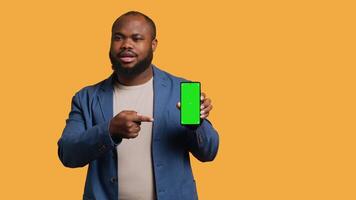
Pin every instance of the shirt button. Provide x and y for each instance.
(113, 179)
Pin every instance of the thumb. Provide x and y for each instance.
(178, 105)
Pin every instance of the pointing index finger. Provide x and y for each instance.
(142, 118)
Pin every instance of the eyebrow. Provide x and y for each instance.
(118, 33)
(133, 35)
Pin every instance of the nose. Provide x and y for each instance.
(126, 44)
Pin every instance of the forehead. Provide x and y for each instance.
(131, 24)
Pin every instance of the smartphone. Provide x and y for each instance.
(190, 103)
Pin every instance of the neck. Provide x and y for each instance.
(137, 79)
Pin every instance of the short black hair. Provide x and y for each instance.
(136, 13)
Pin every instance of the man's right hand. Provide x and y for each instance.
(127, 123)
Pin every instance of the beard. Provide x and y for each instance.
(137, 69)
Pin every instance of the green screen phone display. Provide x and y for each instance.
(190, 103)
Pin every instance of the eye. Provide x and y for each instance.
(137, 38)
(117, 37)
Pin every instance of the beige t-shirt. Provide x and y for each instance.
(135, 173)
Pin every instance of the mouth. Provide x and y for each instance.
(127, 57)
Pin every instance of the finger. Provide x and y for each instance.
(207, 109)
(125, 114)
(132, 135)
(202, 96)
(142, 118)
(137, 122)
(130, 112)
(205, 104)
(129, 124)
(134, 119)
(137, 118)
(178, 105)
(130, 115)
(203, 116)
(135, 129)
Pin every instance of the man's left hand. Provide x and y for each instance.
(205, 107)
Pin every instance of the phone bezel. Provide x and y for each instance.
(190, 82)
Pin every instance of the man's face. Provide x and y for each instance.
(132, 46)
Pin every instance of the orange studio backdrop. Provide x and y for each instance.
(281, 76)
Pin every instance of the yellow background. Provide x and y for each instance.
(281, 75)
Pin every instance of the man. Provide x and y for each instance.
(127, 127)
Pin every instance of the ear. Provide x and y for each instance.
(154, 44)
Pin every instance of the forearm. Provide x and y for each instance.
(77, 147)
(203, 142)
